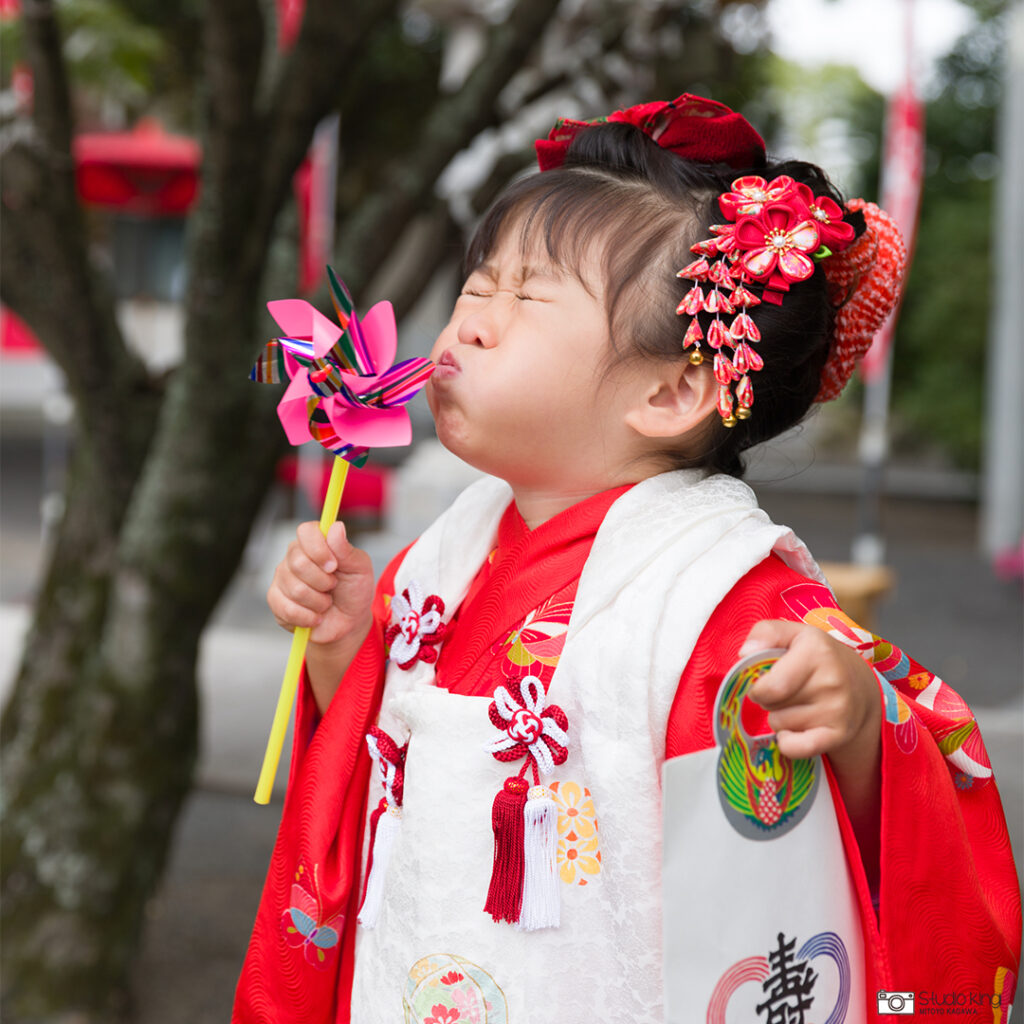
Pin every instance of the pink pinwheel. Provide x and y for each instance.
(343, 390)
(345, 394)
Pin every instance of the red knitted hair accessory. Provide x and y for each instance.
(693, 127)
(864, 282)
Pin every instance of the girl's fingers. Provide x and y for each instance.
(781, 685)
(305, 573)
(806, 717)
(770, 633)
(315, 547)
(351, 561)
(301, 593)
(290, 614)
(323, 583)
(810, 661)
(338, 544)
(807, 743)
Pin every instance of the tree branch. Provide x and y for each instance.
(409, 179)
(310, 82)
(51, 99)
(44, 258)
(231, 134)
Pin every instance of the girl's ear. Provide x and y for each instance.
(674, 401)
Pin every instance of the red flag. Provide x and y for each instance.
(289, 21)
(902, 171)
(315, 192)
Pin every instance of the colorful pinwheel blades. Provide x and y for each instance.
(343, 391)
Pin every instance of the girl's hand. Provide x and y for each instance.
(821, 696)
(326, 584)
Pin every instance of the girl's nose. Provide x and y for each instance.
(478, 328)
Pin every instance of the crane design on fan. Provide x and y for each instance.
(763, 793)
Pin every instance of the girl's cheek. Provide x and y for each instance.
(445, 339)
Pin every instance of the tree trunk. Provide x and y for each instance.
(100, 732)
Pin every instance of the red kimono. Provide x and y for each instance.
(946, 918)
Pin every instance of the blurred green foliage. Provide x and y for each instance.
(110, 51)
(942, 337)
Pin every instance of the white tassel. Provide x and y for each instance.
(541, 906)
(388, 827)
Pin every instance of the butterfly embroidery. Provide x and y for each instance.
(302, 924)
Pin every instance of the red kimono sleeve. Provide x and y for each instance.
(298, 967)
(948, 917)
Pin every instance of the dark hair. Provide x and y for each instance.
(647, 206)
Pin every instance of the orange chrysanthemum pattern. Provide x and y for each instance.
(579, 852)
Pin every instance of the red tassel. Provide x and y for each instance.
(374, 818)
(505, 895)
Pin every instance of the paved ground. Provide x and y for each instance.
(948, 611)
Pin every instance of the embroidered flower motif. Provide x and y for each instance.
(416, 628)
(440, 1014)
(475, 999)
(451, 978)
(423, 968)
(578, 843)
(472, 1004)
(575, 809)
(578, 858)
(530, 727)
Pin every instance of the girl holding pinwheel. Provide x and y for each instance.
(496, 739)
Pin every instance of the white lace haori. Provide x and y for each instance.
(666, 554)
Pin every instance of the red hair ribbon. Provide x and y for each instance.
(693, 127)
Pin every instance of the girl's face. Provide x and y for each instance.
(521, 389)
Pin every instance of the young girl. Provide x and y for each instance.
(655, 302)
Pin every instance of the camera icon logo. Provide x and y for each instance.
(896, 1002)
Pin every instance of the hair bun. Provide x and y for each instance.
(865, 283)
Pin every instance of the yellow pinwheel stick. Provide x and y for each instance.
(297, 654)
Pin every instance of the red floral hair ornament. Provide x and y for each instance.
(692, 127)
(778, 231)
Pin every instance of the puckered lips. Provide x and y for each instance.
(447, 366)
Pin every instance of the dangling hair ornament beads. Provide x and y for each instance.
(777, 230)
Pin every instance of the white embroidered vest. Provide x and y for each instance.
(667, 553)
